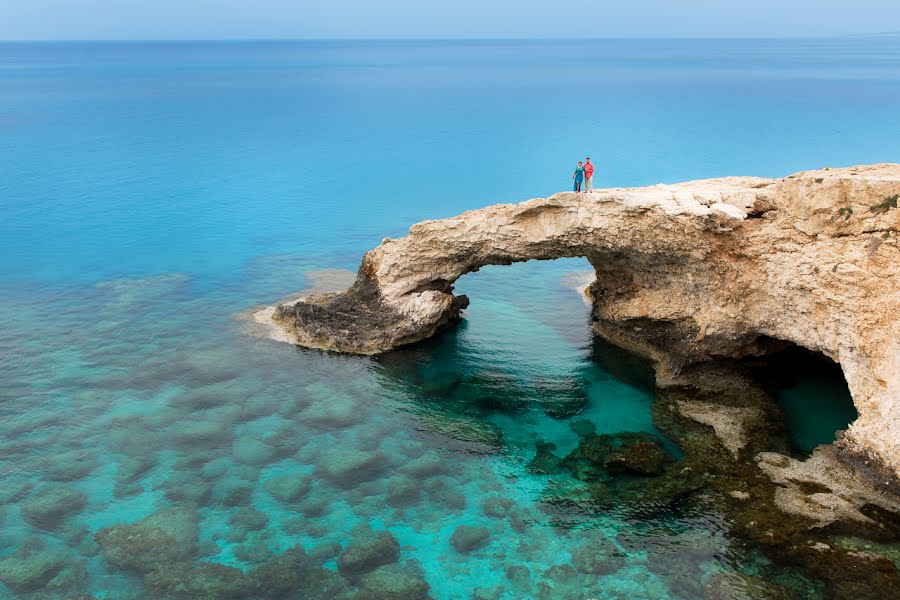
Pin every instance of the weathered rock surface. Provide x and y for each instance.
(155, 542)
(685, 273)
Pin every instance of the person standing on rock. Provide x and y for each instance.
(578, 176)
(588, 175)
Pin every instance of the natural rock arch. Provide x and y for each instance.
(685, 273)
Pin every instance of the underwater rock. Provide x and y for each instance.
(486, 436)
(496, 507)
(253, 553)
(520, 578)
(444, 492)
(562, 397)
(325, 551)
(285, 441)
(72, 532)
(544, 461)
(248, 519)
(368, 551)
(427, 465)
(403, 491)
(314, 506)
(394, 582)
(123, 490)
(489, 392)
(187, 486)
(199, 581)
(165, 537)
(287, 488)
(737, 586)
(599, 556)
(467, 538)
(635, 453)
(48, 507)
(349, 466)
(281, 575)
(237, 493)
(70, 466)
(69, 582)
(13, 490)
(583, 428)
(252, 451)
(566, 494)
(201, 433)
(291, 576)
(442, 384)
(488, 593)
(335, 412)
(133, 468)
(563, 575)
(30, 567)
(293, 524)
(640, 458)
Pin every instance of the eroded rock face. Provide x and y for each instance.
(685, 273)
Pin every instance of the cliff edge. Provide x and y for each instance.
(686, 273)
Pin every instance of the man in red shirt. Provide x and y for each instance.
(588, 175)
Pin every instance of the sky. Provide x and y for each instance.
(279, 19)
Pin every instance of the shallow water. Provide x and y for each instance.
(153, 194)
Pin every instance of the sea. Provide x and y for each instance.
(153, 194)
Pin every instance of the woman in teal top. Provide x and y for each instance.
(578, 176)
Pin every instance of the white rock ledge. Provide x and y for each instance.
(685, 273)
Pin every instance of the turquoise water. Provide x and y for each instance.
(151, 194)
(813, 395)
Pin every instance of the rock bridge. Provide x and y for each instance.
(686, 273)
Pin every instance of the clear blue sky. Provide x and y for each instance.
(226, 19)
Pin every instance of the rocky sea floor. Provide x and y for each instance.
(151, 448)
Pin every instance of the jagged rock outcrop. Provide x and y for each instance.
(686, 273)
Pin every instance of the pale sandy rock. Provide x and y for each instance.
(732, 424)
(822, 488)
(685, 272)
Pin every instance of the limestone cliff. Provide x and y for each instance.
(685, 273)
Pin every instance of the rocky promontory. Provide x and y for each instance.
(686, 274)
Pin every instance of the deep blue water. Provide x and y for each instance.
(152, 193)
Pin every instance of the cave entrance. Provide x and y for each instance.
(812, 393)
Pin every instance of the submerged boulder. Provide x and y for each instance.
(165, 537)
(544, 461)
(248, 519)
(199, 581)
(294, 576)
(403, 491)
(47, 508)
(367, 552)
(349, 466)
(70, 466)
(188, 486)
(287, 488)
(467, 538)
(281, 574)
(30, 567)
(394, 582)
(252, 451)
(737, 586)
(598, 456)
(640, 458)
(599, 556)
(496, 507)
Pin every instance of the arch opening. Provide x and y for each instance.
(811, 391)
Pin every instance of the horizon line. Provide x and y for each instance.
(449, 39)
